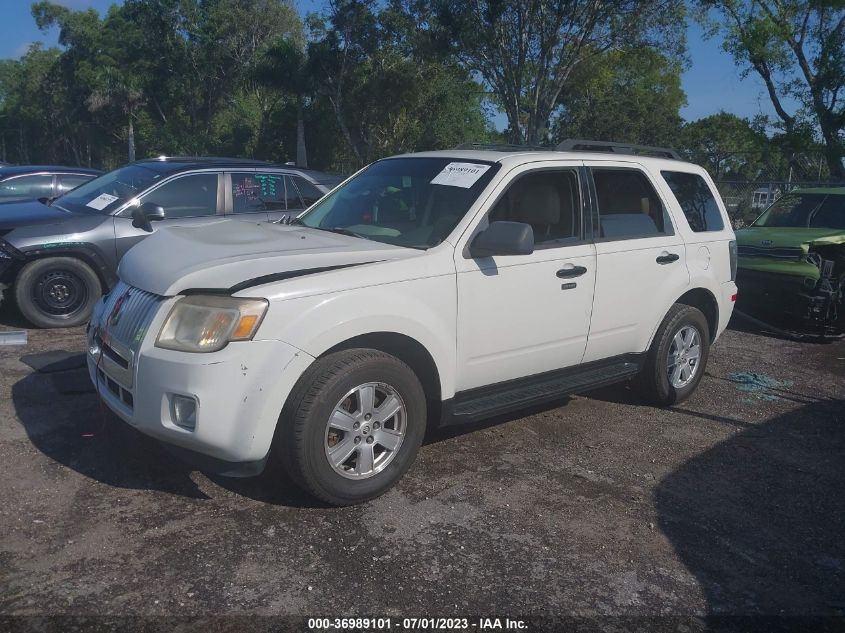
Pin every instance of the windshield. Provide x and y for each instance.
(412, 202)
(805, 210)
(108, 192)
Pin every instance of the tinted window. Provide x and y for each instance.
(696, 200)
(71, 181)
(413, 202)
(550, 201)
(106, 193)
(628, 205)
(803, 210)
(310, 194)
(27, 187)
(186, 196)
(294, 200)
(257, 192)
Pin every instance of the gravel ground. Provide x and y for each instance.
(732, 503)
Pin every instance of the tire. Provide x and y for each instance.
(335, 387)
(654, 381)
(57, 292)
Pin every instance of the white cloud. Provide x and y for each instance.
(22, 49)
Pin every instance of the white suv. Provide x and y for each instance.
(429, 289)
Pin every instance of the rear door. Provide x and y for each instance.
(187, 199)
(641, 259)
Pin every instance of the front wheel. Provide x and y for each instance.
(352, 426)
(676, 360)
(57, 292)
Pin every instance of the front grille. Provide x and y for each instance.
(779, 252)
(126, 314)
(118, 332)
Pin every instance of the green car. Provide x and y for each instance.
(792, 260)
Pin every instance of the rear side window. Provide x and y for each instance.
(310, 193)
(628, 205)
(696, 200)
(71, 181)
(252, 193)
(27, 187)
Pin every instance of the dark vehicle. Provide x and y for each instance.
(58, 257)
(30, 182)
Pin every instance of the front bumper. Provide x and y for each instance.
(238, 394)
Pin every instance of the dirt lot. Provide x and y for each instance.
(732, 503)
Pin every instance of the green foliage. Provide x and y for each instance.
(628, 95)
(797, 47)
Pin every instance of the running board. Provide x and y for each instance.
(485, 402)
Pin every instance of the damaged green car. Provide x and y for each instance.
(792, 260)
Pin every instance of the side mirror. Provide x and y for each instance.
(146, 213)
(503, 238)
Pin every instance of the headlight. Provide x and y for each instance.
(208, 323)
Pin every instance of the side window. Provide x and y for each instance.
(27, 187)
(310, 194)
(257, 192)
(628, 204)
(696, 200)
(71, 181)
(294, 201)
(550, 201)
(187, 196)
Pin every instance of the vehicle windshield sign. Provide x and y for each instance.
(109, 191)
(805, 210)
(411, 202)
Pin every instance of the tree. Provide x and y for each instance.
(729, 147)
(627, 95)
(527, 51)
(285, 66)
(797, 47)
(386, 96)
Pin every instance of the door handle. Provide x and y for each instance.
(668, 258)
(569, 273)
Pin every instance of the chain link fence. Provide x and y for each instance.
(750, 182)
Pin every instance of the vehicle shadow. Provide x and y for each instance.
(77, 431)
(69, 424)
(759, 519)
(10, 317)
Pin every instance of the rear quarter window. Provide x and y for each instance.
(696, 200)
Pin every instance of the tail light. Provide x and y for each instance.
(733, 255)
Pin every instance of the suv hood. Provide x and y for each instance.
(774, 237)
(231, 255)
(29, 212)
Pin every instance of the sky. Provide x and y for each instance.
(712, 83)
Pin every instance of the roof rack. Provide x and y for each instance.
(572, 144)
(501, 147)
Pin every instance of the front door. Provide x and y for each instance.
(187, 200)
(521, 315)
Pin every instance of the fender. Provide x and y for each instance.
(85, 251)
(422, 309)
(697, 281)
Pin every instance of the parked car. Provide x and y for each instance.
(446, 286)
(58, 257)
(30, 182)
(792, 260)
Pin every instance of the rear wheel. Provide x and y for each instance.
(57, 292)
(677, 358)
(353, 426)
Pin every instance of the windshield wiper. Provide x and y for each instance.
(342, 231)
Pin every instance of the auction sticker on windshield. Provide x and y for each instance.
(101, 202)
(460, 175)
